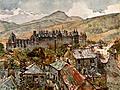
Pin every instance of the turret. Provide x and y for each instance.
(34, 33)
(34, 38)
(75, 37)
(11, 42)
(53, 34)
(59, 35)
(12, 38)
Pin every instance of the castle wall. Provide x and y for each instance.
(43, 39)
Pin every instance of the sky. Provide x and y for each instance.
(82, 8)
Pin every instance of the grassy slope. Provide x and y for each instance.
(103, 27)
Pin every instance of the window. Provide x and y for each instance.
(92, 61)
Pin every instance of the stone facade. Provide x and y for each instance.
(88, 63)
(45, 39)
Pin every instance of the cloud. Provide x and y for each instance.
(113, 8)
(83, 8)
(19, 16)
(46, 6)
(92, 8)
(9, 4)
(37, 6)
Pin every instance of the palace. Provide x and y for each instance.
(46, 39)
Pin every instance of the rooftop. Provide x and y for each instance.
(83, 54)
(33, 69)
(58, 64)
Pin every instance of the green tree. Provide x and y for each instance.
(1, 49)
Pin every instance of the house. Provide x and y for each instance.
(85, 59)
(82, 59)
(33, 77)
(58, 66)
(104, 52)
(8, 84)
(89, 64)
(74, 80)
(70, 78)
(52, 72)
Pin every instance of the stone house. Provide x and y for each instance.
(33, 77)
(8, 84)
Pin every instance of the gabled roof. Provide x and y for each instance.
(87, 53)
(77, 54)
(33, 69)
(83, 54)
(58, 64)
(8, 84)
(72, 78)
(69, 53)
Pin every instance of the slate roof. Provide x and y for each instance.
(83, 54)
(33, 69)
(58, 64)
(8, 84)
(72, 78)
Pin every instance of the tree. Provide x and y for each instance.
(1, 49)
(37, 55)
(117, 46)
(62, 49)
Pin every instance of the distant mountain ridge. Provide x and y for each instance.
(6, 26)
(57, 17)
(19, 16)
(106, 27)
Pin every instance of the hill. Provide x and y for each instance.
(102, 27)
(6, 26)
(106, 27)
(25, 30)
(57, 17)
